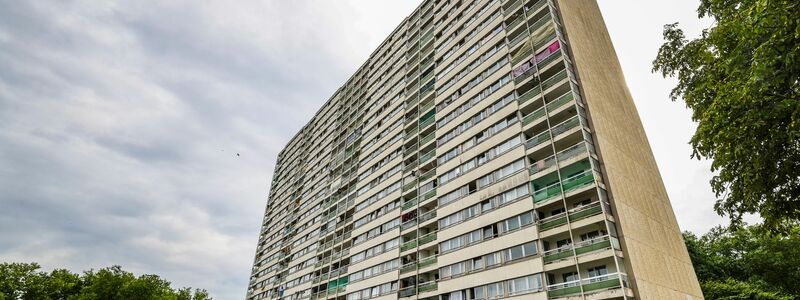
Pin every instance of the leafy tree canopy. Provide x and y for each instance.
(747, 263)
(25, 281)
(741, 79)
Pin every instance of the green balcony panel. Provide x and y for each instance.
(425, 157)
(410, 203)
(585, 213)
(578, 181)
(546, 193)
(566, 126)
(608, 283)
(408, 245)
(428, 137)
(428, 195)
(427, 287)
(564, 292)
(529, 94)
(408, 268)
(427, 238)
(557, 256)
(407, 292)
(537, 140)
(553, 223)
(564, 99)
(593, 247)
(427, 262)
(535, 115)
(555, 79)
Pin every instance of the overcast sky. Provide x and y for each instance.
(120, 122)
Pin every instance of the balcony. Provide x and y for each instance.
(560, 101)
(553, 80)
(521, 55)
(595, 244)
(537, 140)
(407, 292)
(409, 204)
(428, 195)
(542, 21)
(427, 156)
(408, 224)
(408, 245)
(430, 237)
(550, 58)
(574, 214)
(579, 180)
(427, 287)
(428, 175)
(427, 121)
(535, 115)
(512, 7)
(565, 126)
(427, 216)
(529, 94)
(409, 267)
(519, 38)
(427, 262)
(588, 285)
(409, 185)
(428, 137)
(543, 164)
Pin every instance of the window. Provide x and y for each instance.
(494, 290)
(514, 253)
(596, 272)
(569, 277)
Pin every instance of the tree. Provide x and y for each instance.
(24, 281)
(747, 263)
(741, 80)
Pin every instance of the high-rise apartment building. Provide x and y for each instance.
(487, 149)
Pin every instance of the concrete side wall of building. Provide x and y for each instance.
(657, 261)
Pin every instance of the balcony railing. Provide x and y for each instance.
(521, 36)
(547, 192)
(553, 80)
(427, 262)
(578, 180)
(541, 21)
(409, 267)
(407, 292)
(409, 204)
(560, 101)
(583, 247)
(592, 284)
(425, 157)
(535, 115)
(426, 122)
(550, 58)
(408, 224)
(428, 195)
(427, 175)
(537, 140)
(427, 216)
(529, 94)
(427, 238)
(409, 245)
(513, 7)
(566, 125)
(543, 164)
(428, 286)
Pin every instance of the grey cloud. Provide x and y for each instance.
(120, 121)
